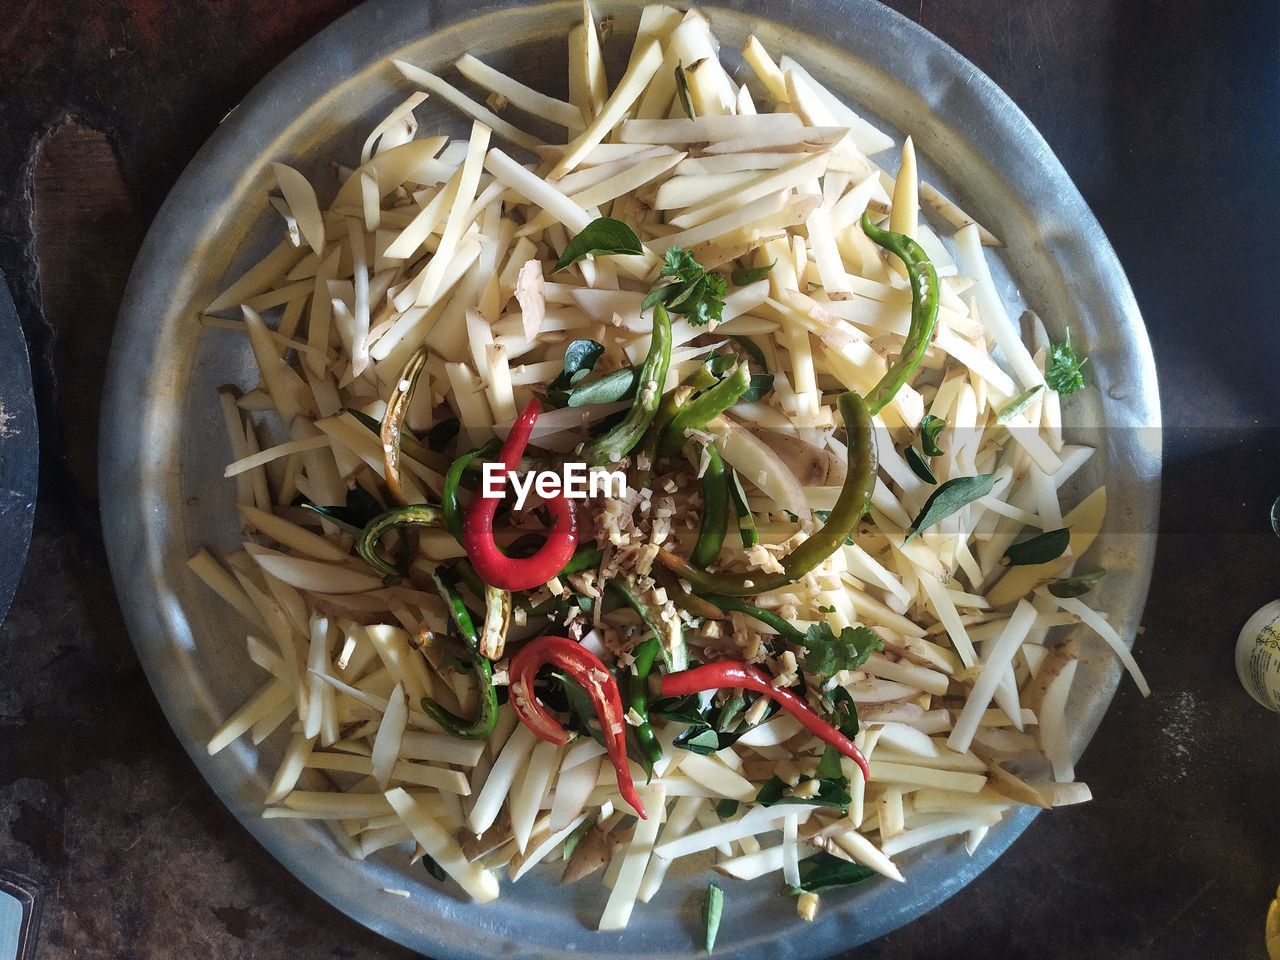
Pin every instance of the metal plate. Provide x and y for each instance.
(19, 449)
(161, 471)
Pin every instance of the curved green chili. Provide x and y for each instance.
(618, 442)
(417, 515)
(768, 617)
(700, 379)
(715, 511)
(924, 311)
(637, 697)
(486, 718)
(675, 654)
(584, 558)
(855, 497)
(704, 408)
(453, 480)
(746, 519)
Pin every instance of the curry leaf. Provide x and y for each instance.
(930, 427)
(443, 434)
(601, 235)
(832, 792)
(953, 495)
(618, 385)
(919, 465)
(579, 360)
(1047, 546)
(745, 275)
(1076, 586)
(823, 872)
(682, 91)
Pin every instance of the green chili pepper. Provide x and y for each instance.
(584, 558)
(671, 635)
(487, 711)
(715, 511)
(700, 379)
(453, 480)
(417, 515)
(638, 697)
(855, 497)
(746, 519)
(924, 311)
(768, 617)
(704, 408)
(619, 441)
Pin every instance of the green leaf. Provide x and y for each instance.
(433, 868)
(827, 654)
(953, 495)
(579, 359)
(361, 507)
(919, 465)
(1047, 546)
(930, 427)
(1018, 404)
(693, 293)
(829, 766)
(760, 383)
(844, 712)
(618, 385)
(602, 235)
(726, 809)
(730, 713)
(745, 275)
(704, 742)
(1066, 370)
(1076, 586)
(711, 911)
(824, 872)
(442, 434)
(580, 705)
(682, 91)
(832, 792)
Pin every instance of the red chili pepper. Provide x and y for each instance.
(519, 573)
(586, 670)
(735, 673)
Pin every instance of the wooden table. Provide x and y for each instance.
(1165, 116)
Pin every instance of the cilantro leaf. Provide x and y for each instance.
(1065, 374)
(692, 293)
(827, 654)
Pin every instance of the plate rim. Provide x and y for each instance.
(131, 538)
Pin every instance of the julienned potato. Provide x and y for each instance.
(401, 329)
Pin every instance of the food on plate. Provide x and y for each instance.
(815, 624)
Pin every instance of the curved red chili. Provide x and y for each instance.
(519, 573)
(739, 675)
(586, 670)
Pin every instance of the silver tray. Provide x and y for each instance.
(163, 448)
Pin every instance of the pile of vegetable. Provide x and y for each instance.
(817, 630)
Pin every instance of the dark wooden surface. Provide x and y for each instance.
(1164, 113)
